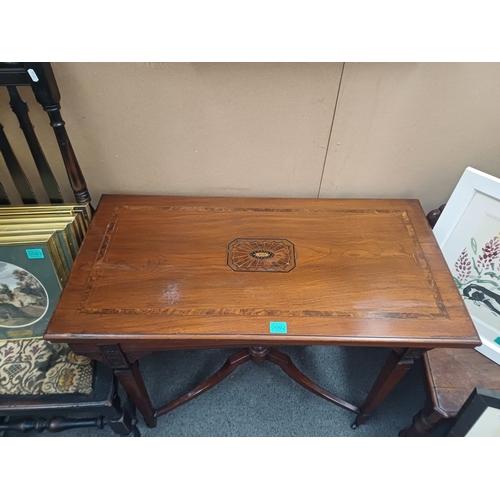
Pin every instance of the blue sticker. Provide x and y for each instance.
(277, 327)
(497, 340)
(35, 253)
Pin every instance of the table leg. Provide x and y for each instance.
(424, 422)
(397, 365)
(129, 375)
(132, 382)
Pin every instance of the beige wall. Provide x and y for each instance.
(410, 130)
(252, 129)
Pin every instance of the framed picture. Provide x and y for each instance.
(64, 227)
(84, 211)
(32, 276)
(468, 232)
(41, 219)
(479, 416)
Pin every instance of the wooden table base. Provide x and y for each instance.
(396, 366)
(257, 355)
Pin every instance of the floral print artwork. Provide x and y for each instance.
(35, 367)
(477, 275)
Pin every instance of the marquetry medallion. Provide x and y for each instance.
(250, 255)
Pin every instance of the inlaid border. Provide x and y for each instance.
(175, 311)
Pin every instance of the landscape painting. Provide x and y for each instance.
(23, 299)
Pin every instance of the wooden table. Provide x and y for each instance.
(452, 375)
(161, 273)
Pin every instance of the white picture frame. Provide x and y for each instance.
(468, 233)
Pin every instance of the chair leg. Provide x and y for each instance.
(119, 419)
(122, 420)
(3, 420)
(54, 424)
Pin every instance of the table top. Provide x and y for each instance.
(223, 271)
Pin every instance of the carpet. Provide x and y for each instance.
(259, 400)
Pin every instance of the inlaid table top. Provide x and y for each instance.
(223, 271)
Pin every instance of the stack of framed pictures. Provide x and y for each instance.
(38, 244)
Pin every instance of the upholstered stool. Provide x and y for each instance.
(41, 378)
(34, 367)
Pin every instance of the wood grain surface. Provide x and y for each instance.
(155, 268)
(452, 375)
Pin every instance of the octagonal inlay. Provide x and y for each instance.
(268, 255)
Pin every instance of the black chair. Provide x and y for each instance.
(53, 412)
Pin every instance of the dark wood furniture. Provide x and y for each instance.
(59, 412)
(451, 375)
(433, 215)
(48, 412)
(40, 77)
(161, 273)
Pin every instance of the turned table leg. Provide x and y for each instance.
(129, 375)
(424, 422)
(397, 365)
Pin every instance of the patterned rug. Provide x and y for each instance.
(35, 367)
